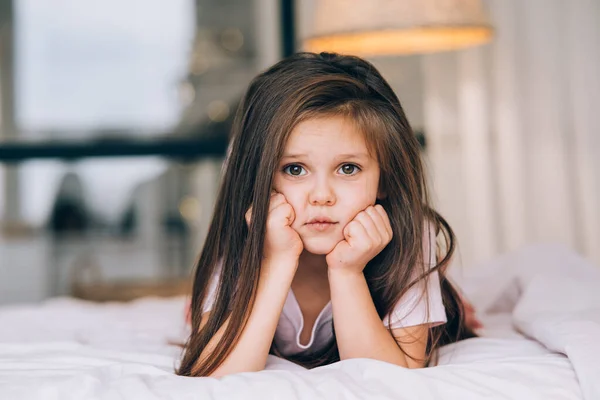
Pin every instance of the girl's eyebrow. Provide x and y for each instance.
(361, 155)
(353, 155)
(294, 155)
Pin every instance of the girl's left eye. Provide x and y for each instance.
(349, 169)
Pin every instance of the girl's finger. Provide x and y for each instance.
(276, 200)
(284, 210)
(386, 220)
(370, 227)
(355, 234)
(380, 223)
(248, 216)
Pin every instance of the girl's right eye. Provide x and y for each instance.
(294, 170)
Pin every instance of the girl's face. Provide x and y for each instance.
(328, 176)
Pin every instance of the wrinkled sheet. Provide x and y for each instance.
(540, 307)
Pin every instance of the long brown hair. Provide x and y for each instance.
(302, 86)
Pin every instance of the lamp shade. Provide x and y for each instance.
(389, 27)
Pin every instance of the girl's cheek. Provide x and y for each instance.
(294, 198)
(289, 192)
(369, 193)
(280, 187)
(360, 197)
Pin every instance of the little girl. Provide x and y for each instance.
(322, 246)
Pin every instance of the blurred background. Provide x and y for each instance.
(115, 116)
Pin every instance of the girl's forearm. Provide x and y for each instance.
(358, 328)
(251, 352)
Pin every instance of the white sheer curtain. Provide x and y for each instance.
(513, 130)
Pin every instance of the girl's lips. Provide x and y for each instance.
(320, 225)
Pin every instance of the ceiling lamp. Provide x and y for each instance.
(392, 27)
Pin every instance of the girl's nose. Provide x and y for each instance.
(322, 194)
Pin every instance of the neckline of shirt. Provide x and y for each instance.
(324, 315)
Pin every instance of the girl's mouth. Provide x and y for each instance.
(320, 224)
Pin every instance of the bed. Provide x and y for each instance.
(540, 307)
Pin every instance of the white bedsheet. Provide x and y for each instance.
(68, 349)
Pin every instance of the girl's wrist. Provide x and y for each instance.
(281, 262)
(344, 273)
(280, 267)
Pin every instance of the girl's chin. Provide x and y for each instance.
(319, 246)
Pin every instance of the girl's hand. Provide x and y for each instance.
(281, 241)
(364, 237)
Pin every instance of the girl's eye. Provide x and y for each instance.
(349, 169)
(294, 170)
